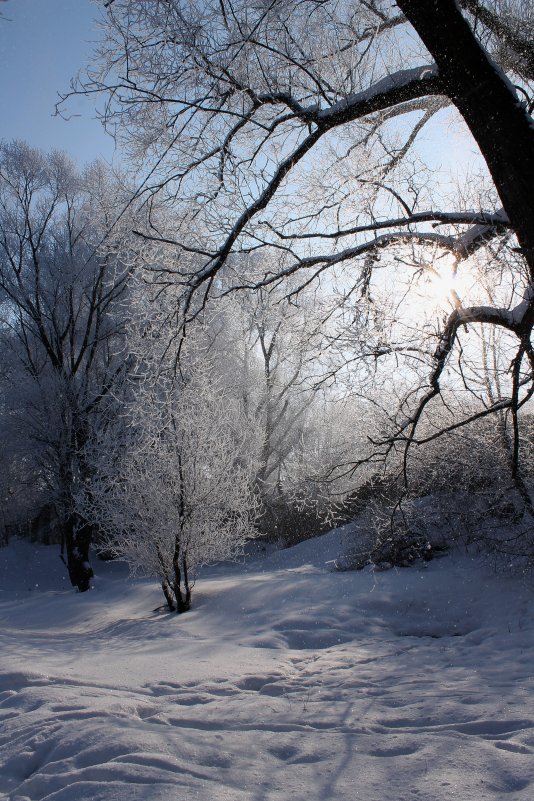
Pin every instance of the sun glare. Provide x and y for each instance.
(444, 284)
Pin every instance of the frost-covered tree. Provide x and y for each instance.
(275, 348)
(293, 128)
(171, 493)
(63, 295)
(271, 355)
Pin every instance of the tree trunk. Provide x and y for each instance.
(77, 538)
(186, 600)
(487, 101)
(183, 599)
(179, 559)
(168, 593)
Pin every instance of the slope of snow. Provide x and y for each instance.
(285, 681)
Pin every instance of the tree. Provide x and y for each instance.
(278, 127)
(63, 293)
(170, 493)
(276, 348)
(271, 355)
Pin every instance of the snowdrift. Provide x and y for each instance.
(286, 681)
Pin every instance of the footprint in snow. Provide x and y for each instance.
(514, 748)
(401, 750)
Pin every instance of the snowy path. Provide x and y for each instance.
(283, 683)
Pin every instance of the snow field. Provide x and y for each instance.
(285, 681)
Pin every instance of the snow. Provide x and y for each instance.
(392, 83)
(286, 680)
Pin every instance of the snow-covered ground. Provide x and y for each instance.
(285, 681)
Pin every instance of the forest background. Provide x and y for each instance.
(285, 299)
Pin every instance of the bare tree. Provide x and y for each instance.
(277, 127)
(63, 288)
(169, 491)
(279, 346)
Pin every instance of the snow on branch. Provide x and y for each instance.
(396, 88)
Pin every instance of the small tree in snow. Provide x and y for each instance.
(176, 496)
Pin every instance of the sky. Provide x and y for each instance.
(43, 44)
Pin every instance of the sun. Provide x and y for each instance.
(444, 285)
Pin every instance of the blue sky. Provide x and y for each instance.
(43, 43)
